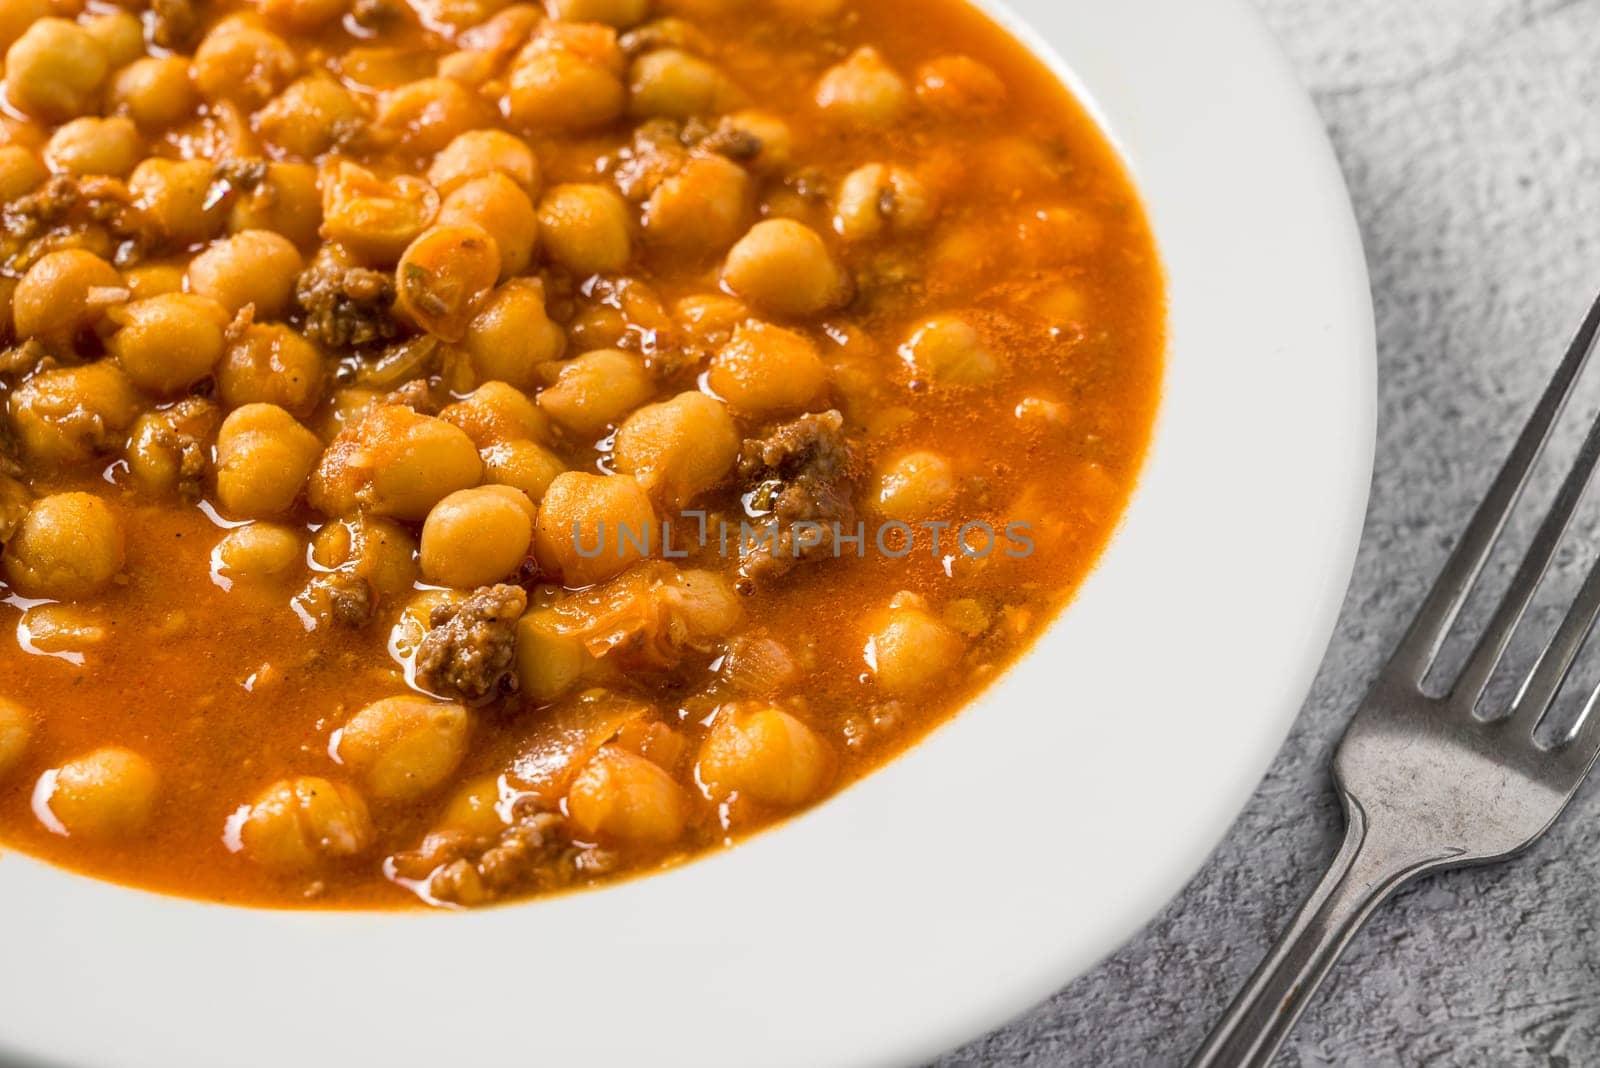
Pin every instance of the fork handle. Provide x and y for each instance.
(1368, 868)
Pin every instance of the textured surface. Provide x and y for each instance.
(1469, 132)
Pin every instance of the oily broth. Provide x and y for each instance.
(226, 690)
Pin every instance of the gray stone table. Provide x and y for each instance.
(1469, 133)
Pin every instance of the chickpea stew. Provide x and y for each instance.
(458, 450)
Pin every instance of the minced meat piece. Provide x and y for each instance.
(534, 853)
(55, 215)
(470, 648)
(351, 599)
(340, 597)
(32, 213)
(662, 147)
(799, 472)
(346, 305)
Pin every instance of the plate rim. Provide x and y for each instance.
(64, 937)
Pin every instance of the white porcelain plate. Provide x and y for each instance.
(1003, 856)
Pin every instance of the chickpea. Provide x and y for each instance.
(255, 267)
(914, 486)
(257, 551)
(960, 85)
(618, 13)
(167, 343)
(380, 551)
(263, 460)
(862, 91)
(764, 753)
(468, 66)
(155, 92)
(153, 279)
(298, 824)
(444, 275)
(20, 172)
(1062, 305)
(241, 62)
(608, 517)
(394, 462)
(63, 294)
(908, 650)
(270, 363)
(403, 748)
(109, 793)
(524, 465)
(302, 14)
(454, 15)
(426, 115)
(1020, 165)
(875, 199)
(474, 807)
(120, 34)
(674, 84)
(16, 726)
(477, 536)
(54, 71)
(309, 116)
(375, 218)
(947, 351)
(347, 407)
(286, 200)
(69, 546)
(679, 448)
(70, 414)
(784, 266)
(478, 153)
(499, 206)
(585, 228)
(17, 15)
(765, 369)
(54, 627)
(702, 606)
(702, 209)
(495, 413)
(415, 618)
(175, 195)
(622, 795)
(554, 89)
(170, 448)
(709, 318)
(767, 134)
(512, 335)
(1042, 413)
(94, 146)
(594, 391)
(505, 31)
(1059, 234)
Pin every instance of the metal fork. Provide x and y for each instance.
(1426, 784)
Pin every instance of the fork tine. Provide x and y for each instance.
(1491, 645)
(1582, 744)
(1550, 671)
(1416, 651)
